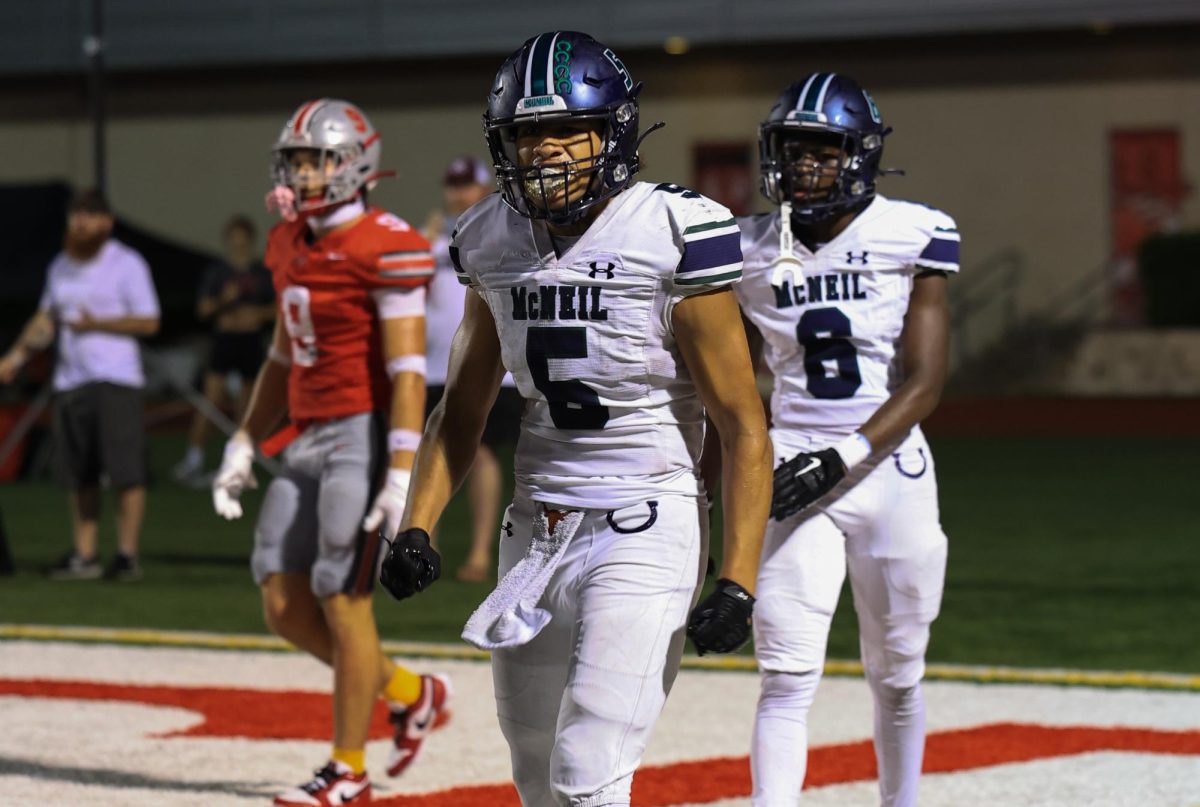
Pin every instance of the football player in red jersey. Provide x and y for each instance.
(347, 367)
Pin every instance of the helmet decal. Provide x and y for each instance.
(871, 105)
(620, 66)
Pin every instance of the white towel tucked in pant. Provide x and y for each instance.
(510, 616)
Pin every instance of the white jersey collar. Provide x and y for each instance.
(869, 212)
(545, 247)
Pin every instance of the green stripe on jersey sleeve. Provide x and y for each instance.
(700, 281)
(710, 225)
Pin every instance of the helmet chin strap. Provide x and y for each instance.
(786, 263)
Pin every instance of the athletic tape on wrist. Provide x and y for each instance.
(403, 440)
(413, 363)
(279, 357)
(853, 450)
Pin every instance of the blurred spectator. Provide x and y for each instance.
(466, 181)
(236, 295)
(99, 298)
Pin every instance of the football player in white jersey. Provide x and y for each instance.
(610, 303)
(846, 291)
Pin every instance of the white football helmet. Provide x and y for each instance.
(342, 134)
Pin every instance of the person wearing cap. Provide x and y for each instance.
(466, 181)
(99, 299)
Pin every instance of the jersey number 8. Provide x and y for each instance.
(824, 333)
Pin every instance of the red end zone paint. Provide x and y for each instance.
(266, 714)
(256, 714)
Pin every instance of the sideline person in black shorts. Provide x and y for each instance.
(99, 299)
(236, 295)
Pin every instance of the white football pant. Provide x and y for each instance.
(881, 524)
(578, 702)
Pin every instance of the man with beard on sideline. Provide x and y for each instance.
(99, 299)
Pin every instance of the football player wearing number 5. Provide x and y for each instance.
(610, 303)
(847, 291)
(350, 279)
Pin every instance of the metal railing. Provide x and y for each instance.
(986, 300)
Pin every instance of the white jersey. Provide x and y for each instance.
(443, 312)
(614, 416)
(833, 345)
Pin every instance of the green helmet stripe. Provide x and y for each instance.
(814, 93)
(540, 65)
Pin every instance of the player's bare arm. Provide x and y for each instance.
(404, 339)
(712, 341)
(455, 426)
(710, 460)
(925, 351)
(447, 449)
(37, 335)
(404, 357)
(264, 413)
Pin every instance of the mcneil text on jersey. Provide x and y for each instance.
(558, 302)
(834, 287)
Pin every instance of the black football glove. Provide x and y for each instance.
(721, 622)
(803, 479)
(411, 564)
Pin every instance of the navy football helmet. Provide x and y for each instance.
(563, 77)
(820, 147)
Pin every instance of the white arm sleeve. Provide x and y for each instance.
(397, 303)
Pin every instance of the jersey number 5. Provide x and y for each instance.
(573, 404)
(824, 333)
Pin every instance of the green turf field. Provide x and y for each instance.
(1071, 552)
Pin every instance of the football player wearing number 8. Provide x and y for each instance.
(351, 282)
(610, 303)
(853, 318)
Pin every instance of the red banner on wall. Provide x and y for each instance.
(1147, 189)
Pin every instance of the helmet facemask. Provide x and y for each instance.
(562, 191)
(335, 167)
(819, 171)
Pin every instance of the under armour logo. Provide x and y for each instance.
(851, 257)
(607, 271)
(508, 529)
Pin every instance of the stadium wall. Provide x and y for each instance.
(1019, 156)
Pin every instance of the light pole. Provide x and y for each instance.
(93, 50)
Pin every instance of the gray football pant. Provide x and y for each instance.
(311, 518)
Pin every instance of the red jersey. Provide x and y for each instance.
(325, 296)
